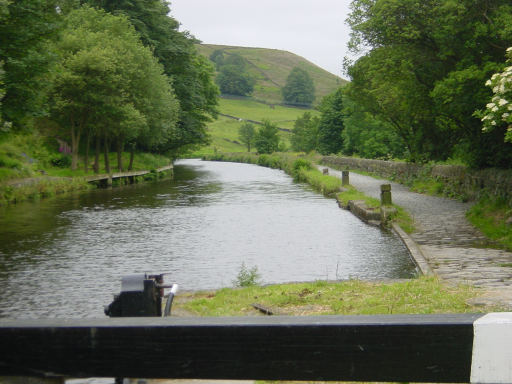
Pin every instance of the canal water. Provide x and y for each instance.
(65, 256)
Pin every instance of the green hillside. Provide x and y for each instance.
(271, 67)
(224, 130)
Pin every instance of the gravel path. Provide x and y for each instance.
(455, 250)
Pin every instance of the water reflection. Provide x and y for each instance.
(64, 257)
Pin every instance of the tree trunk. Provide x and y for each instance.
(87, 144)
(120, 146)
(105, 153)
(75, 142)
(132, 155)
(96, 165)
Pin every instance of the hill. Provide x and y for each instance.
(271, 67)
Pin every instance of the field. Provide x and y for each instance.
(224, 131)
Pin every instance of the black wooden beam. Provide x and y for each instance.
(421, 348)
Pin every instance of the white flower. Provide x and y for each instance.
(502, 102)
(509, 49)
(509, 107)
(494, 109)
(490, 105)
(493, 122)
(488, 82)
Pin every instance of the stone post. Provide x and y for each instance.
(345, 178)
(385, 194)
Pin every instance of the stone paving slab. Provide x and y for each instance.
(454, 249)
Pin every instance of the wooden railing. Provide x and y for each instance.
(417, 348)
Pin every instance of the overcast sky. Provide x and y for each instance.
(314, 29)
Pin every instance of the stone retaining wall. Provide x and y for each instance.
(459, 180)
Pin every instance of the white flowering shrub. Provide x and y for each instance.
(499, 110)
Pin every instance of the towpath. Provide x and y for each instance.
(455, 250)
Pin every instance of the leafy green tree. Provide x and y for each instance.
(25, 26)
(233, 77)
(236, 60)
(233, 81)
(299, 88)
(331, 123)
(267, 138)
(305, 133)
(107, 82)
(247, 134)
(217, 57)
(192, 73)
(365, 136)
(423, 71)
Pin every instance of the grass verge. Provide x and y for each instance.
(31, 167)
(425, 295)
(41, 188)
(301, 168)
(490, 216)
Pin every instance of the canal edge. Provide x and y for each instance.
(414, 250)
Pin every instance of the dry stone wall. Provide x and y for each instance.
(459, 180)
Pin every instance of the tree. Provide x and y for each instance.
(108, 84)
(192, 73)
(217, 57)
(233, 81)
(331, 123)
(247, 133)
(366, 136)
(233, 78)
(299, 88)
(305, 133)
(25, 27)
(267, 138)
(422, 66)
(498, 112)
(4, 12)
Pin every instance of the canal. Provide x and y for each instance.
(65, 256)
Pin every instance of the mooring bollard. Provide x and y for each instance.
(345, 178)
(385, 194)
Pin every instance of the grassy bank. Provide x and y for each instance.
(490, 216)
(302, 169)
(41, 188)
(425, 295)
(31, 167)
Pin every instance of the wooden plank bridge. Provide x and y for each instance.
(107, 178)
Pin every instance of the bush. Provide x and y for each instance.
(60, 160)
(247, 277)
(301, 164)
